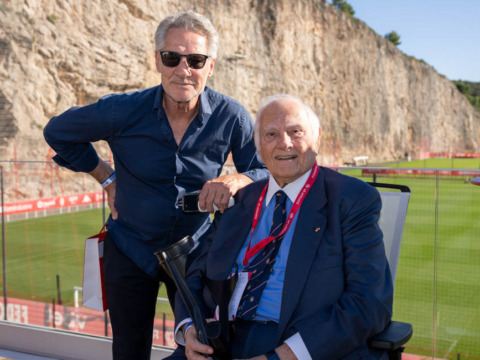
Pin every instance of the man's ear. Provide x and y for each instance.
(211, 65)
(158, 60)
(319, 137)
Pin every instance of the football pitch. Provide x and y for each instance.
(438, 279)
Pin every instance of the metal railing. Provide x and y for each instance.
(438, 276)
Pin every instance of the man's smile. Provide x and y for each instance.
(285, 157)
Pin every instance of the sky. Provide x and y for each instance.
(443, 33)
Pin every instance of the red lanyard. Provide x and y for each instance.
(251, 252)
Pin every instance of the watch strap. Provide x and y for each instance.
(272, 355)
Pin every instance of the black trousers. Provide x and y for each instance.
(132, 298)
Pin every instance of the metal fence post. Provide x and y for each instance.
(104, 208)
(4, 247)
(104, 215)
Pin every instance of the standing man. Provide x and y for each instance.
(313, 278)
(166, 141)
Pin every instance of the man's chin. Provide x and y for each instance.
(184, 98)
(286, 175)
(287, 166)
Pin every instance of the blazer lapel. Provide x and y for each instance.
(311, 223)
(223, 254)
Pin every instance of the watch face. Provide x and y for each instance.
(190, 202)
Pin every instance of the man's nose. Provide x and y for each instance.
(182, 66)
(285, 140)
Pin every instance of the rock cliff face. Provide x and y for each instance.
(371, 98)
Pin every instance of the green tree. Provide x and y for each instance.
(463, 88)
(344, 7)
(393, 37)
(471, 90)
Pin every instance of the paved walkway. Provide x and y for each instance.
(13, 355)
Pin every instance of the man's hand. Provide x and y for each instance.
(218, 191)
(100, 173)
(194, 349)
(110, 190)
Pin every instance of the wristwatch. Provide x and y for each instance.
(272, 355)
(109, 180)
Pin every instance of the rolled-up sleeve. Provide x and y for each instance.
(70, 134)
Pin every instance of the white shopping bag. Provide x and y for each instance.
(93, 284)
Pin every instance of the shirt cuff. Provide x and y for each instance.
(257, 174)
(85, 163)
(298, 347)
(179, 338)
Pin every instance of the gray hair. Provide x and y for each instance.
(311, 116)
(188, 20)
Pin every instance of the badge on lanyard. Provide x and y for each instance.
(237, 294)
(243, 276)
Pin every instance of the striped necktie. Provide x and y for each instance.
(262, 264)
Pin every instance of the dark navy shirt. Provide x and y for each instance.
(153, 172)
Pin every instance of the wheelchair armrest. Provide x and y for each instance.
(395, 335)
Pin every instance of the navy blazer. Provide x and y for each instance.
(338, 290)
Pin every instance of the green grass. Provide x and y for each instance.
(439, 163)
(448, 257)
(40, 249)
(438, 278)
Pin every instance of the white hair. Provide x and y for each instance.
(311, 116)
(192, 21)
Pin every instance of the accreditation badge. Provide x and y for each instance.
(237, 294)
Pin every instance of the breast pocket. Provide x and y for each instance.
(217, 150)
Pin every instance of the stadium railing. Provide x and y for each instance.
(437, 284)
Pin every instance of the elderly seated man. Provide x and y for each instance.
(313, 279)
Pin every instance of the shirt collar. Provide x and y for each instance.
(205, 107)
(292, 190)
(158, 98)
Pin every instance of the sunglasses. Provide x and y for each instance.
(194, 61)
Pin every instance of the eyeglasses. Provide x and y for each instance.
(194, 61)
